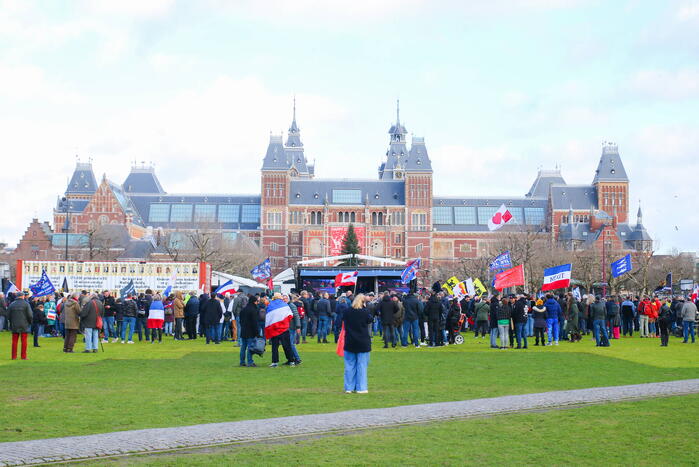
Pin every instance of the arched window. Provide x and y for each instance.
(352, 217)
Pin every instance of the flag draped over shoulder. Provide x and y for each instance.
(156, 315)
(277, 318)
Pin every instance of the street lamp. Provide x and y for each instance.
(66, 224)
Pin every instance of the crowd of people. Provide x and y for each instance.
(430, 318)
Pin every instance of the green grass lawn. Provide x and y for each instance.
(181, 383)
(653, 432)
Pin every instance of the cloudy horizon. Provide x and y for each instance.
(498, 91)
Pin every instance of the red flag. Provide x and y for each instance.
(340, 351)
(270, 284)
(510, 277)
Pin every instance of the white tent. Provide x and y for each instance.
(285, 280)
(219, 278)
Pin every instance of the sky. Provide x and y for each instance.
(499, 89)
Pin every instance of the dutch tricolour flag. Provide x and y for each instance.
(557, 277)
(277, 318)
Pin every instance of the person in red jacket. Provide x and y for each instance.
(645, 310)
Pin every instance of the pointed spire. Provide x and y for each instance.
(398, 112)
(294, 119)
(570, 214)
(639, 215)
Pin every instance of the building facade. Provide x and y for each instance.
(297, 216)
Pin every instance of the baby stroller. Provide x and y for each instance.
(458, 338)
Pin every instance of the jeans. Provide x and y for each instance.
(627, 325)
(643, 322)
(389, 335)
(141, 326)
(323, 323)
(108, 327)
(37, 330)
(91, 338)
(600, 329)
(377, 326)
(411, 328)
(552, 330)
(582, 323)
(167, 329)
(687, 329)
(304, 328)
(504, 331)
(129, 321)
(178, 328)
(212, 333)
(521, 333)
(529, 328)
(651, 328)
(432, 330)
(244, 344)
(356, 365)
(292, 339)
(3, 321)
(539, 336)
(493, 337)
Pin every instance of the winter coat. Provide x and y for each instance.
(539, 316)
(388, 309)
(400, 314)
(598, 311)
(38, 316)
(454, 316)
(49, 307)
(411, 306)
(628, 309)
(689, 311)
(248, 321)
(71, 313)
(573, 314)
(89, 312)
(19, 313)
(178, 305)
(613, 315)
(553, 309)
(494, 311)
(323, 308)
(129, 308)
(482, 310)
(520, 310)
(191, 309)
(3, 308)
(213, 312)
(109, 309)
(295, 322)
(505, 312)
(433, 309)
(357, 338)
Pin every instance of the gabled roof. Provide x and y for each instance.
(418, 159)
(579, 197)
(544, 180)
(142, 180)
(377, 192)
(83, 180)
(610, 167)
(140, 249)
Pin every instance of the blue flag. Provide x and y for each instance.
(43, 286)
(502, 261)
(622, 266)
(410, 271)
(262, 271)
(129, 290)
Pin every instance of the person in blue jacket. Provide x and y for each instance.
(553, 313)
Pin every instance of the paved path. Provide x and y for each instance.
(196, 436)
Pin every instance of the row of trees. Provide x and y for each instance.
(535, 252)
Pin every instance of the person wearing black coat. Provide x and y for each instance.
(191, 311)
(453, 319)
(433, 312)
(248, 330)
(356, 320)
(493, 321)
(213, 312)
(388, 309)
(38, 321)
(520, 315)
(203, 298)
(411, 323)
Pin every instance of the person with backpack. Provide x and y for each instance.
(91, 322)
(628, 311)
(553, 313)
(70, 311)
(191, 312)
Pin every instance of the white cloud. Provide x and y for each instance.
(140, 9)
(28, 82)
(665, 84)
(688, 11)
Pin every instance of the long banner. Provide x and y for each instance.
(103, 275)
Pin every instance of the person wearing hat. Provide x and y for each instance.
(539, 313)
(20, 316)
